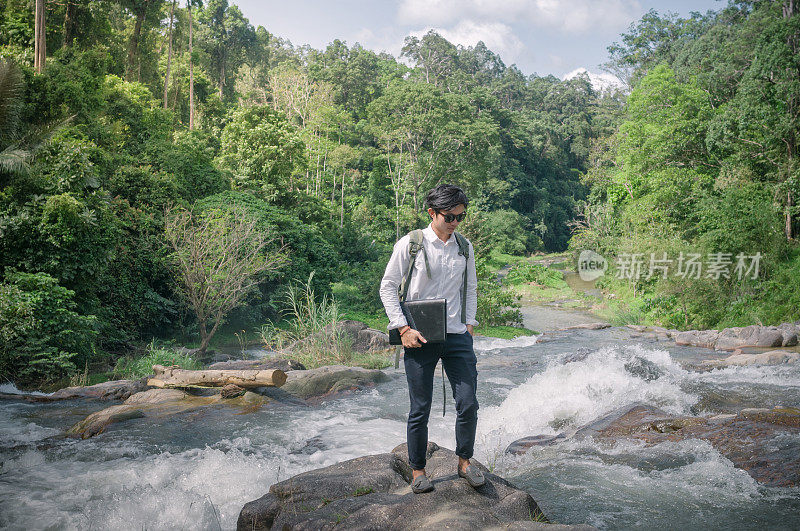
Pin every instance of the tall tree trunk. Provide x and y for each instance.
(221, 71)
(39, 45)
(341, 210)
(191, 69)
(789, 215)
(133, 44)
(169, 53)
(69, 22)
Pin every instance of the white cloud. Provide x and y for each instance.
(497, 36)
(574, 16)
(600, 81)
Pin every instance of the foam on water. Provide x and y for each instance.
(163, 491)
(483, 344)
(780, 375)
(670, 483)
(11, 389)
(566, 396)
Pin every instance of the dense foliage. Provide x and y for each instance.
(704, 161)
(333, 150)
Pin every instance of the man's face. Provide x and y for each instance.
(438, 219)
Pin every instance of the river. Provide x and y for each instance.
(196, 470)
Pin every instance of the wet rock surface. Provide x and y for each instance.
(112, 390)
(331, 379)
(772, 357)
(373, 492)
(783, 335)
(764, 442)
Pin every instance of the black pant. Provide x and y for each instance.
(459, 363)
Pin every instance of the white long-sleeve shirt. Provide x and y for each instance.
(447, 270)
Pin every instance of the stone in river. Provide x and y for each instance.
(373, 492)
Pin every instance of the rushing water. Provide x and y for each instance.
(197, 469)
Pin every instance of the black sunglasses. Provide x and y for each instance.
(448, 218)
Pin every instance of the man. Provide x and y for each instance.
(447, 207)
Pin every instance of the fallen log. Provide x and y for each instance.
(170, 377)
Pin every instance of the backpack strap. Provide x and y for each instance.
(463, 249)
(415, 238)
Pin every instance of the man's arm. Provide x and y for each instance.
(472, 290)
(390, 283)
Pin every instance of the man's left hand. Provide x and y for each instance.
(470, 330)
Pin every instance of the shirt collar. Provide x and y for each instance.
(431, 236)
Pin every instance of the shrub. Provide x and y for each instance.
(156, 355)
(41, 336)
(530, 272)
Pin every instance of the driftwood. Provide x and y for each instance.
(173, 377)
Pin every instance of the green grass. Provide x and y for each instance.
(498, 260)
(377, 320)
(156, 355)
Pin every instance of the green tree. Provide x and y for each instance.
(263, 150)
(219, 257)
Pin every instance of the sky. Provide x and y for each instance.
(541, 37)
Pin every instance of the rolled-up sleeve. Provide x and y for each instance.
(472, 289)
(390, 283)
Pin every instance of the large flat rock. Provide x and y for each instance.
(373, 492)
(331, 379)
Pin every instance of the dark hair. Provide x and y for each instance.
(446, 197)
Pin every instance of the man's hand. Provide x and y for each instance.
(412, 339)
(470, 330)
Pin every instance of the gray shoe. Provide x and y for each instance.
(473, 475)
(421, 484)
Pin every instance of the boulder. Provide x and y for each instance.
(156, 396)
(370, 340)
(331, 379)
(772, 357)
(749, 336)
(113, 390)
(262, 364)
(373, 492)
(790, 334)
(697, 338)
(155, 403)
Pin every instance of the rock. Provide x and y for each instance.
(113, 390)
(588, 326)
(520, 446)
(373, 492)
(790, 334)
(749, 336)
(330, 379)
(156, 396)
(772, 357)
(697, 338)
(284, 365)
(370, 340)
(155, 403)
(748, 439)
(231, 391)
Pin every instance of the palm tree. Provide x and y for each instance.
(13, 156)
